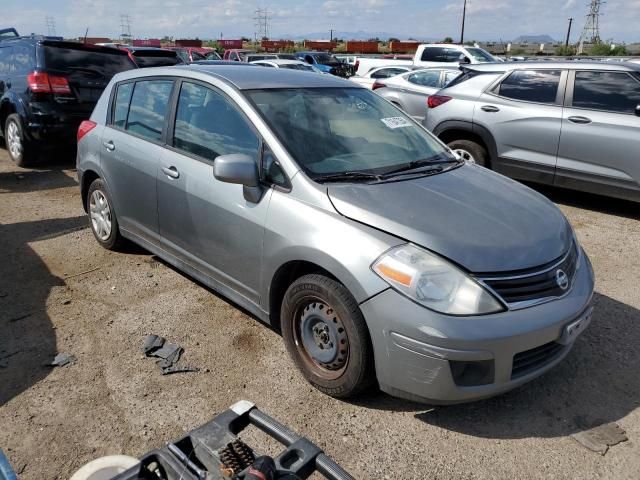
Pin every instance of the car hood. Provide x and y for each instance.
(474, 217)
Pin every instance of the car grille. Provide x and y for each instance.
(523, 288)
(531, 360)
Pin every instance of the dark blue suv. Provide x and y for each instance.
(47, 87)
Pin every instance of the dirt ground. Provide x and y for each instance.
(61, 292)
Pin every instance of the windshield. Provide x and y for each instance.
(338, 130)
(151, 58)
(481, 55)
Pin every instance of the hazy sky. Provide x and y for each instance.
(487, 19)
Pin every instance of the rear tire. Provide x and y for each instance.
(102, 216)
(470, 152)
(326, 335)
(22, 151)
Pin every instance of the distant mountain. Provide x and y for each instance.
(534, 39)
(359, 35)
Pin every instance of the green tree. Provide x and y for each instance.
(565, 51)
(448, 40)
(394, 39)
(607, 49)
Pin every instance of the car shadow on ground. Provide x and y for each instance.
(597, 383)
(27, 337)
(590, 201)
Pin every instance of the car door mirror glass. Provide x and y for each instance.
(236, 168)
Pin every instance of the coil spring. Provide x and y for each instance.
(235, 457)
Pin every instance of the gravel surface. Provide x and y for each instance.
(61, 292)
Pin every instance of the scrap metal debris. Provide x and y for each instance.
(63, 359)
(600, 438)
(168, 353)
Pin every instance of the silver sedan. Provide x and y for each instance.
(410, 90)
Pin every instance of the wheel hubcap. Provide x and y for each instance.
(100, 215)
(322, 339)
(465, 155)
(14, 142)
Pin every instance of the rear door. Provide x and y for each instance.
(418, 87)
(87, 69)
(600, 141)
(132, 145)
(524, 115)
(203, 221)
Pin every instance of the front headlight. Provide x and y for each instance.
(434, 282)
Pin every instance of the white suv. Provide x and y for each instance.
(445, 54)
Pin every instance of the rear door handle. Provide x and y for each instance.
(579, 120)
(490, 108)
(171, 172)
(109, 145)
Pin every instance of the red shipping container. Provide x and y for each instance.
(361, 47)
(403, 47)
(227, 44)
(147, 42)
(320, 45)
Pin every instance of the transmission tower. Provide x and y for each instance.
(125, 25)
(261, 19)
(51, 25)
(591, 30)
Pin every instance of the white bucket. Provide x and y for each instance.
(105, 468)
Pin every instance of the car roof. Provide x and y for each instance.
(566, 65)
(281, 61)
(245, 78)
(222, 62)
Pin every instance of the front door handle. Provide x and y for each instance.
(109, 145)
(171, 172)
(489, 108)
(579, 120)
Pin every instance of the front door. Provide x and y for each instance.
(600, 141)
(131, 152)
(205, 222)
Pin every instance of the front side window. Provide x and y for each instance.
(531, 86)
(608, 91)
(425, 79)
(338, 130)
(208, 125)
(149, 106)
(480, 55)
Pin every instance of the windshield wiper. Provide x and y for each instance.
(437, 165)
(347, 177)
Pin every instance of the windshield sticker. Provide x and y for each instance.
(396, 122)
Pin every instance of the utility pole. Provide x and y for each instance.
(464, 15)
(331, 35)
(566, 44)
(51, 26)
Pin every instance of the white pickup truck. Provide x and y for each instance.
(430, 55)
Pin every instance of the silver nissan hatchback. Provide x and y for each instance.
(330, 214)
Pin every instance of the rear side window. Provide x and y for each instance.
(94, 63)
(425, 79)
(149, 105)
(121, 107)
(608, 91)
(531, 86)
(208, 125)
(450, 76)
(5, 60)
(440, 54)
(23, 59)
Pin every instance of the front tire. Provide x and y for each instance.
(326, 335)
(470, 152)
(102, 216)
(22, 151)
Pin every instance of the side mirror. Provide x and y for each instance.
(240, 169)
(464, 59)
(638, 110)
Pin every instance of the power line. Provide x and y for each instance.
(51, 25)
(262, 25)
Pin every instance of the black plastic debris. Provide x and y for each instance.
(168, 353)
(63, 359)
(600, 438)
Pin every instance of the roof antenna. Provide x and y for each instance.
(85, 35)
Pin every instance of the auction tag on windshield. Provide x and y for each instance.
(396, 122)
